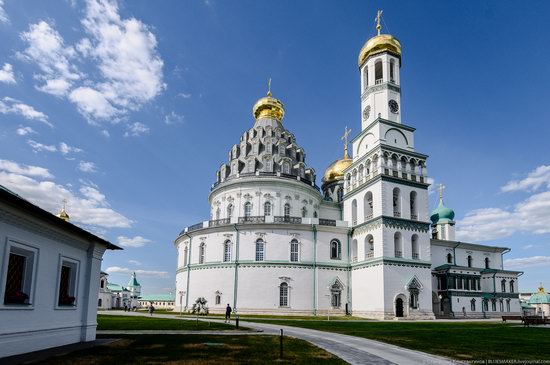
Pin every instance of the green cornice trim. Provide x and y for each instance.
(392, 222)
(478, 294)
(249, 264)
(391, 261)
(375, 179)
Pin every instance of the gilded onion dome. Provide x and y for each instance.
(335, 171)
(269, 107)
(63, 213)
(379, 43)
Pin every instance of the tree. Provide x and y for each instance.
(199, 307)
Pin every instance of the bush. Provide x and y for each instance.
(199, 307)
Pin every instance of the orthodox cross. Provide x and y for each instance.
(441, 187)
(269, 87)
(345, 139)
(377, 20)
(64, 203)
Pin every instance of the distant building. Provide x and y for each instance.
(48, 278)
(159, 301)
(538, 303)
(115, 296)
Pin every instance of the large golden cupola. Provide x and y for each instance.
(379, 43)
(269, 107)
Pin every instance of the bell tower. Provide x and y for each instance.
(379, 65)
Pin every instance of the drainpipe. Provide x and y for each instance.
(454, 252)
(188, 272)
(314, 229)
(236, 283)
(350, 232)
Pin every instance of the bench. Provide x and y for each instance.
(512, 318)
(535, 320)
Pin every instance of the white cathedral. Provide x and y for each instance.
(364, 244)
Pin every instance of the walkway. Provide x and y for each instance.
(354, 350)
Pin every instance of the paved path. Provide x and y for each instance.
(180, 332)
(354, 350)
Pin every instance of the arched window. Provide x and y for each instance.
(227, 251)
(507, 305)
(392, 72)
(485, 305)
(251, 165)
(354, 212)
(335, 250)
(378, 72)
(501, 305)
(185, 255)
(283, 295)
(202, 249)
(486, 262)
(260, 250)
(369, 246)
(304, 212)
(368, 205)
(247, 209)
(449, 258)
(470, 261)
(493, 305)
(218, 299)
(287, 210)
(354, 251)
(335, 296)
(267, 209)
(286, 168)
(99, 302)
(414, 209)
(365, 78)
(503, 285)
(414, 247)
(397, 244)
(511, 286)
(294, 250)
(473, 305)
(396, 202)
(218, 213)
(102, 283)
(315, 215)
(229, 210)
(340, 194)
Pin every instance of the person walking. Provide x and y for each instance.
(228, 311)
(151, 310)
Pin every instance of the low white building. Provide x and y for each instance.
(48, 278)
(115, 296)
(158, 301)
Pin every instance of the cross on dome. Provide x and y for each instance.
(345, 139)
(377, 20)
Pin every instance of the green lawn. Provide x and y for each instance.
(458, 340)
(199, 349)
(110, 322)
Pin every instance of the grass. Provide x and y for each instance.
(199, 349)
(111, 322)
(458, 340)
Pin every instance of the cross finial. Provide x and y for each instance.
(64, 203)
(440, 187)
(345, 139)
(269, 87)
(377, 20)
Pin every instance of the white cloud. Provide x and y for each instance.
(6, 74)
(540, 177)
(173, 118)
(46, 48)
(145, 273)
(87, 206)
(23, 131)
(136, 129)
(106, 133)
(527, 247)
(86, 166)
(184, 95)
(39, 147)
(66, 149)
(12, 106)
(136, 241)
(134, 262)
(3, 16)
(526, 262)
(93, 104)
(25, 170)
(531, 215)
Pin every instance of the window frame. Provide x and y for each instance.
(227, 251)
(294, 242)
(202, 252)
(259, 250)
(31, 251)
(281, 296)
(73, 283)
(338, 249)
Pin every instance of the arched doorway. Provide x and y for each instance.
(399, 307)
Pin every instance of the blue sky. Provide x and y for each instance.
(125, 109)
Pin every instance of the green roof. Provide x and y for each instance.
(442, 214)
(133, 281)
(539, 297)
(115, 287)
(158, 298)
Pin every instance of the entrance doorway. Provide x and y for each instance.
(399, 307)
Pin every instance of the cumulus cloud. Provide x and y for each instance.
(87, 206)
(25, 170)
(62, 148)
(136, 129)
(93, 104)
(134, 262)
(3, 16)
(66, 149)
(531, 215)
(46, 48)
(12, 106)
(527, 262)
(23, 131)
(86, 166)
(136, 241)
(540, 177)
(6, 74)
(145, 273)
(173, 118)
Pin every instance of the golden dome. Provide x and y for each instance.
(378, 44)
(269, 107)
(336, 170)
(63, 215)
